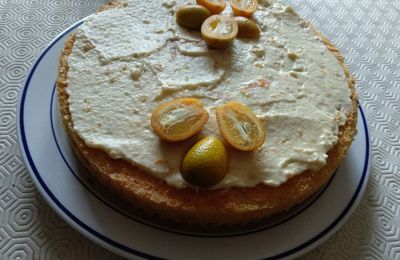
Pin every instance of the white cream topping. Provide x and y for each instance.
(127, 61)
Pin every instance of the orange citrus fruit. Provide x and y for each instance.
(240, 127)
(206, 163)
(191, 16)
(218, 31)
(243, 7)
(247, 28)
(179, 119)
(214, 6)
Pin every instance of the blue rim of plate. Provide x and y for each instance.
(28, 160)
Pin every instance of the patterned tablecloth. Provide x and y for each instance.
(366, 31)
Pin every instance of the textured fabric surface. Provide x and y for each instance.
(367, 33)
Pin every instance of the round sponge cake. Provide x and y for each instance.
(224, 206)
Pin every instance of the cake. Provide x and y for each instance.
(132, 56)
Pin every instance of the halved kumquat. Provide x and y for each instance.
(214, 6)
(179, 119)
(240, 127)
(243, 7)
(218, 31)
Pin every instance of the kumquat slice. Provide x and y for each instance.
(179, 119)
(218, 31)
(240, 127)
(214, 6)
(243, 7)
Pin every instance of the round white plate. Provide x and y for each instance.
(114, 225)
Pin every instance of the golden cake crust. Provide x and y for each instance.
(218, 207)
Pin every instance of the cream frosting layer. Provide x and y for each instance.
(127, 61)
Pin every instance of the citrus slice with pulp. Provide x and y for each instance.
(243, 7)
(179, 119)
(214, 6)
(240, 127)
(218, 31)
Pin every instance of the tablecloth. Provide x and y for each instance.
(366, 31)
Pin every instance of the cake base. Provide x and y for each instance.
(217, 207)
